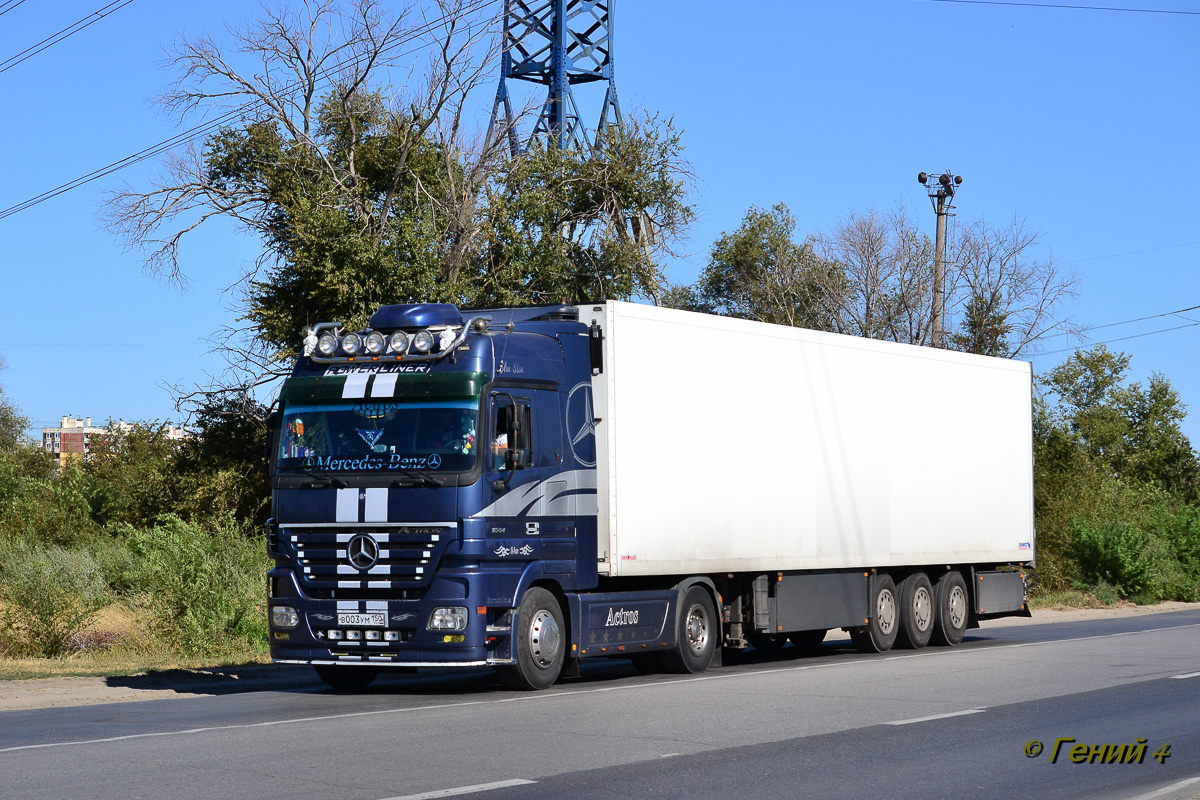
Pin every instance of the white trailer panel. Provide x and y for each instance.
(726, 445)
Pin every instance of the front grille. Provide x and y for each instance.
(407, 557)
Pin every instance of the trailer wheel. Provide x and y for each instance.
(808, 641)
(878, 635)
(916, 611)
(950, 621)
(347, 678)
(696, 638)
(541, 642)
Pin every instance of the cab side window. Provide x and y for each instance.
(511, 442)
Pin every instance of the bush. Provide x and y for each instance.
(50, 594)
(205, 588)
(1115, 553)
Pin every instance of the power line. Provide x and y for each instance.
(205, 127)
(1124, 338)
(67, 32)
(1127, 322)
(9, 6)
(1130, 253)
(1071, 7)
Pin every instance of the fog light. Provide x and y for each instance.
(448, 618)
(372, 636)
(351, 344)
(333, 634)
(399, 342)
(353, 636)
(391, 636)
(453, 638)
(284, 617)
(327, 344)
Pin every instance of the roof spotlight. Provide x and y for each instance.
(327, 344)
(375, 343)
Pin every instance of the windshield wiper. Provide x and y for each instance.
(421, 478)
(329, 480)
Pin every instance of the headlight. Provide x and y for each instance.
(375, 343)
(285, 617)
(423, 342)
(351, 344)
(399, 342)
(327, 344)
(448, 618)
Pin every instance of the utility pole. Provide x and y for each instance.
(941, 192)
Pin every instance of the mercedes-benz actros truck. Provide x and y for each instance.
(525, 488)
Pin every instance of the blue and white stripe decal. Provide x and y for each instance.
(362, 505)
(563, 495)
(356, 385)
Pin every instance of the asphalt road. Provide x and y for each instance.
(932, 723)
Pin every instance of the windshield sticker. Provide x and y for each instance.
(350, 369)
(371, 438)
(393, 461)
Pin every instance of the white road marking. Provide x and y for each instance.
(1167, 789)
(1189, 675)
(554, 695)
(479, 787)
(936, 716)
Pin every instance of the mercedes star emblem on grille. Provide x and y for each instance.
(363, 551)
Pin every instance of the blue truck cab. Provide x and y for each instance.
(434, 490)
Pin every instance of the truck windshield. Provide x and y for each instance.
(374, 436)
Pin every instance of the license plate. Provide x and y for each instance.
(372, 619)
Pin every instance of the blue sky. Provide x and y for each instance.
(1085, 123)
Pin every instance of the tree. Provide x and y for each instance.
(1131, 432)
(363, 196)
(984, 327)
(760, 272)
(13, 423)
(872, 275)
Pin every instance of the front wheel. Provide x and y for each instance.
(541, 642)
(696, 636)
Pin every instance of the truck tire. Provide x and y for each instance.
(808, 641)
(541, 642)
(916, 611)
(878, 635)
(696, 636)
(346, 678)
(953, 609)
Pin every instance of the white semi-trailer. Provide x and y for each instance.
(632, 480)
